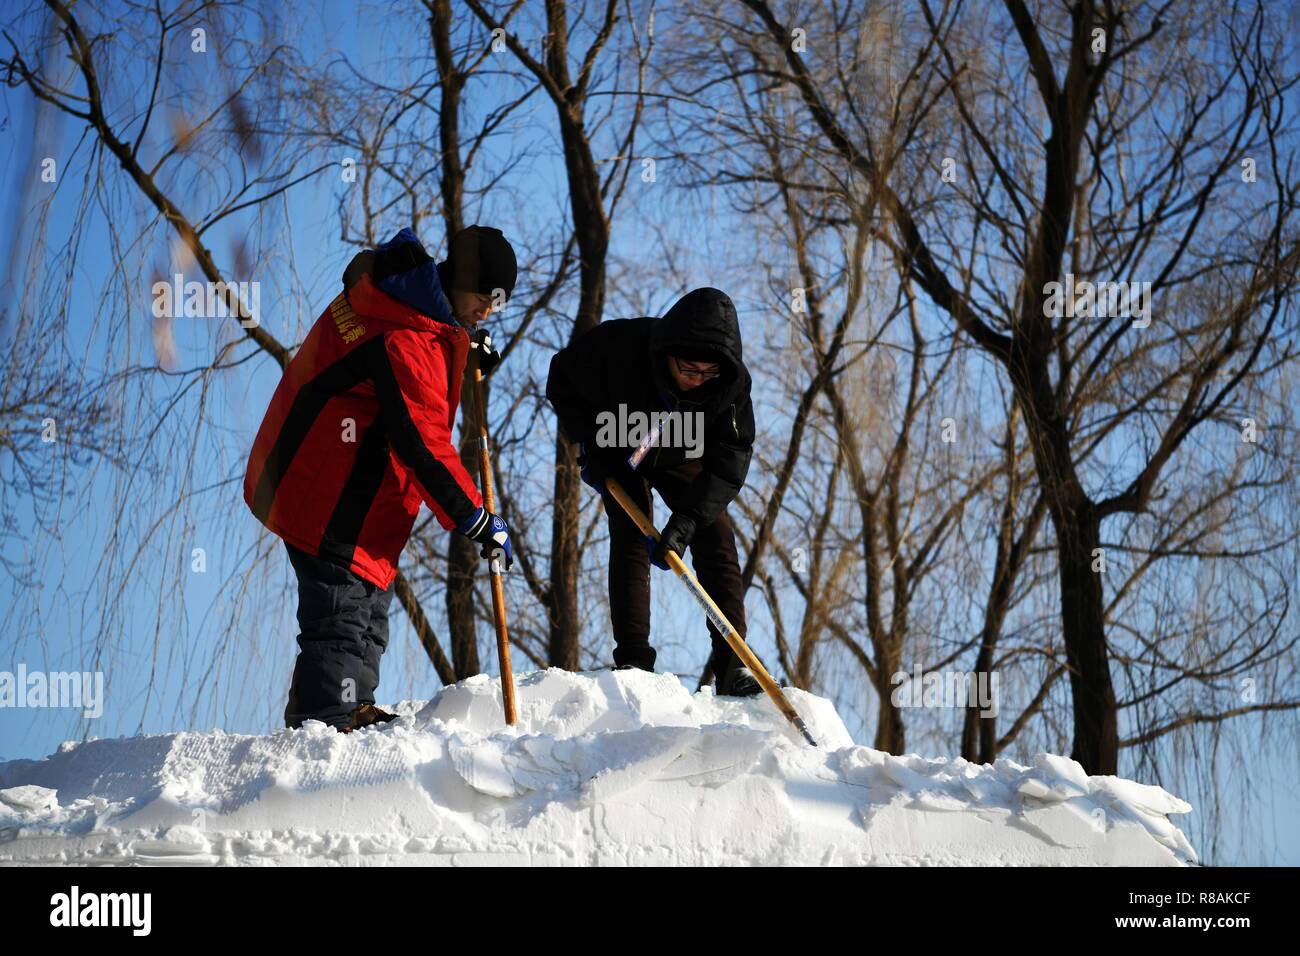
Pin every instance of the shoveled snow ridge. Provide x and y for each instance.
(611, 767)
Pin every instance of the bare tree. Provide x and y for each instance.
(1057, 365)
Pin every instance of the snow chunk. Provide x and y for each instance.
(31, 799)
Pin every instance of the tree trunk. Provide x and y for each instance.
(978, 732)
(889, 718)
(1096, 731)
(562, 648)
(462, 554)
(1078, 536)
(563, 594)
(591, 229)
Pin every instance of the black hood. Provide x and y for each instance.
(703, 320)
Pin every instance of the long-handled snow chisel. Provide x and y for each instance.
(494, 563)
(747, 657)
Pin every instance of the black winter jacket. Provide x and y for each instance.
(623, 362)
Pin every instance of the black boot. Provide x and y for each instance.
(635, 656)
(739, 681)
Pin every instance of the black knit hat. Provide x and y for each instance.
(479, 259)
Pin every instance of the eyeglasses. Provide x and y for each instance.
(705, 372)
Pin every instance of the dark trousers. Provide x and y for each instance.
(713, 554)
(344, 624)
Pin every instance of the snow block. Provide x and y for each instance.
(611, 767)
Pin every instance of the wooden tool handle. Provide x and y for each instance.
(729, 633)
(498, 589)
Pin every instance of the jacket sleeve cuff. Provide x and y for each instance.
(474, 525)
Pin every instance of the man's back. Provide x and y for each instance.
(359, 432)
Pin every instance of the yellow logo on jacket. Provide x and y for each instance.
(345, 320)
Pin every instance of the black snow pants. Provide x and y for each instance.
(344, 624)
(713, 555)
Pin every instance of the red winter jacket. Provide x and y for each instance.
(359, 432)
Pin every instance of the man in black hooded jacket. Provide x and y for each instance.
(688, 362)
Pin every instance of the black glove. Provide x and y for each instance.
(598, 464)
(675, 537)
(480, 343)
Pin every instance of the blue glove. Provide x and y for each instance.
(493, 533)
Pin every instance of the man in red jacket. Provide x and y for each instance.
(358, 434)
